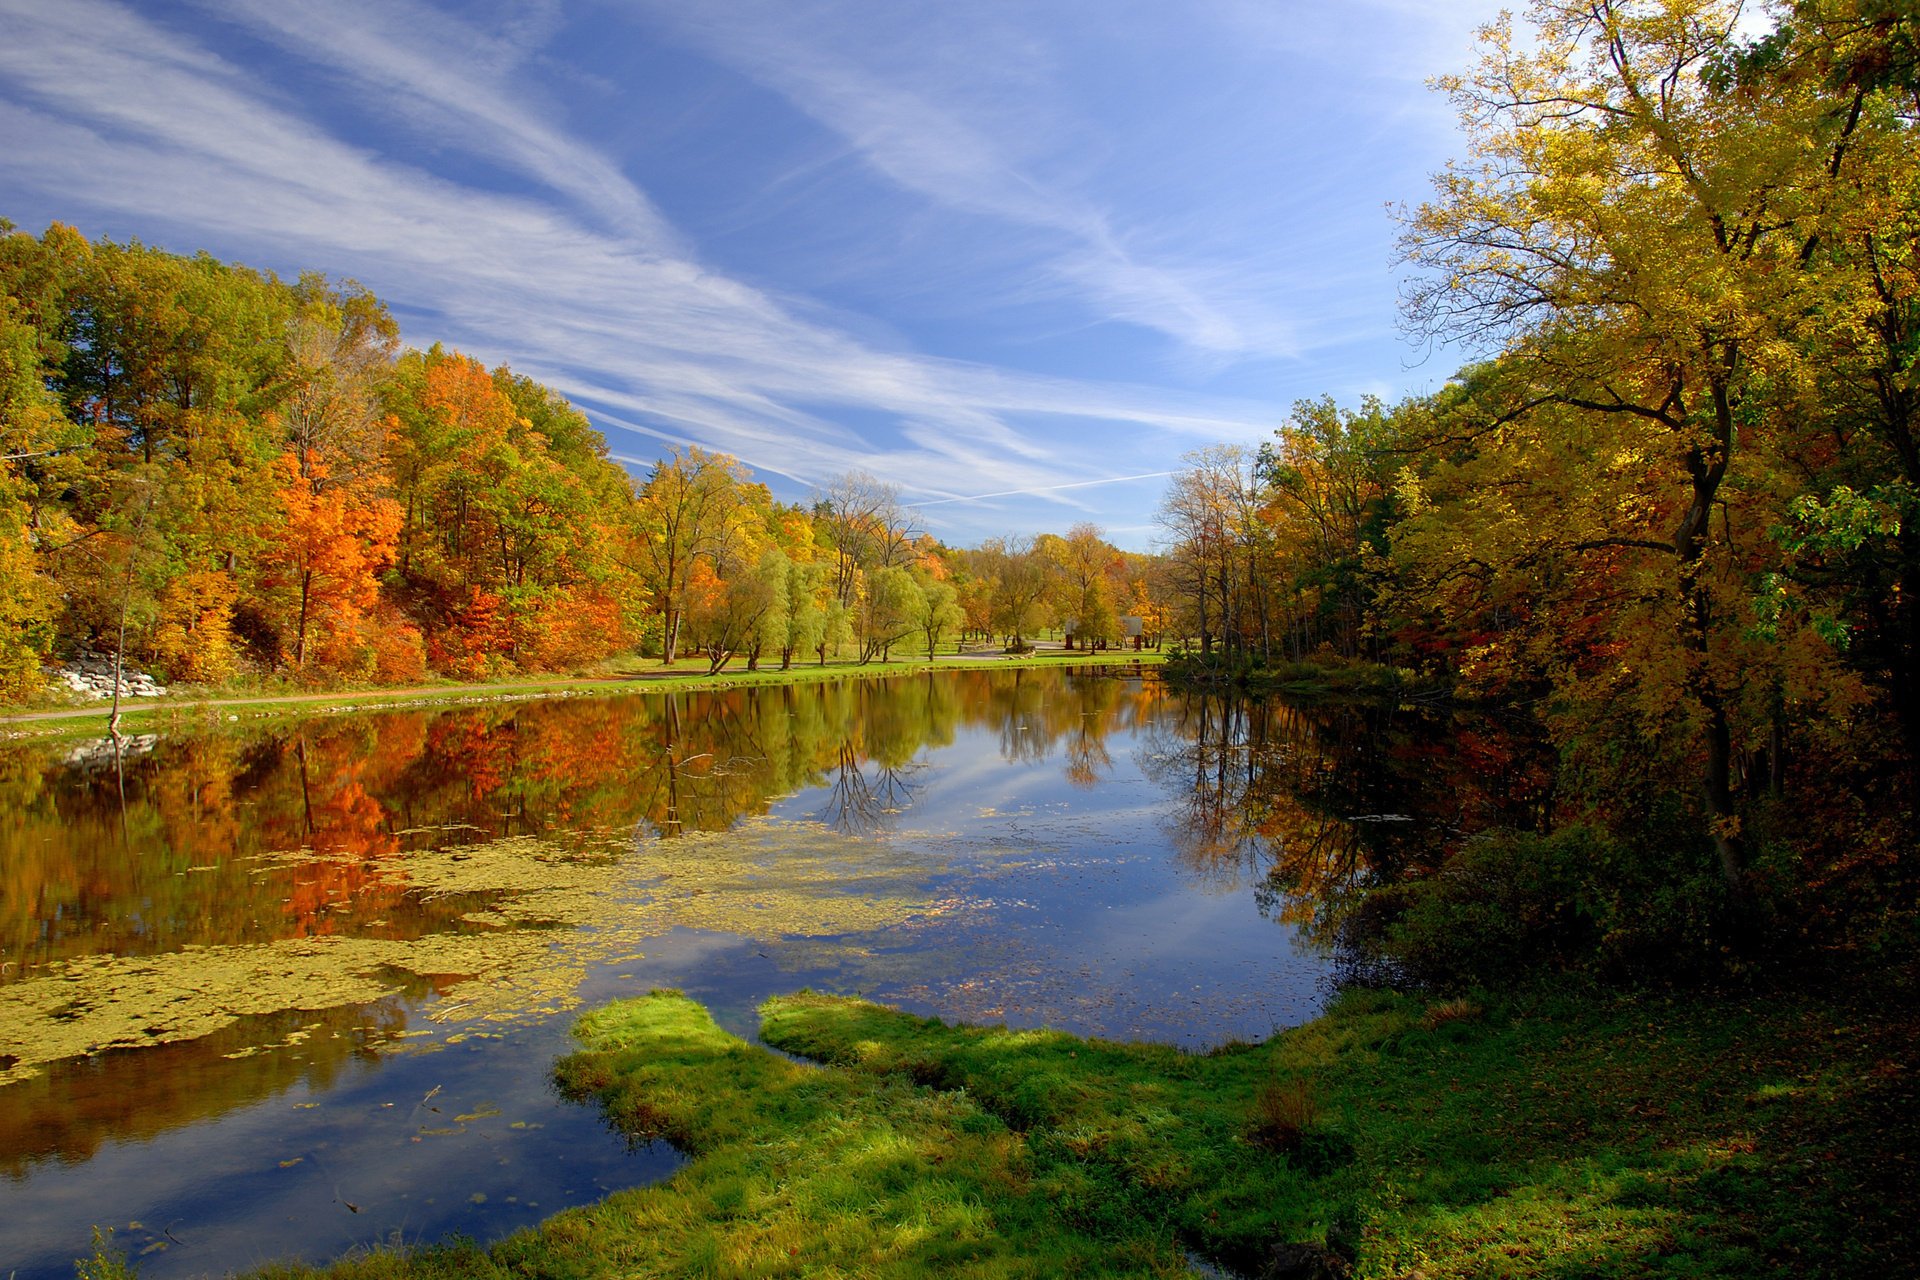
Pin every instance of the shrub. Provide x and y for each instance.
(1512, 903)
(106, 1262)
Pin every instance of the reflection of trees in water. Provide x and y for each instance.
(858, 804)
(1310, 805)
(1205, 754)
(66, 1112)
(173, 848)
(165, 851)
(1037, 711)
(1087, 756)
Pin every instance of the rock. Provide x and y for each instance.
(90, 675)
(1304, 1262)
(105, 753)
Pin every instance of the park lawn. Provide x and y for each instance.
(212, 709)
(1554, 1133)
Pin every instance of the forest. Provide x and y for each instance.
(1670, 513)
(1567, 716)
(1671, 516)
(226, 476)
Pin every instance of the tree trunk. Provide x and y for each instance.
(669, 635)
(1706, 469)
(300, 639)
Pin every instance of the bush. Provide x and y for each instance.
(1512, 903)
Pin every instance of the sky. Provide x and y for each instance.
(1014, 257)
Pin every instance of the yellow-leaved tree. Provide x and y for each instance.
(1626, 233)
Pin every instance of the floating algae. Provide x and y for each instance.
(542, 915)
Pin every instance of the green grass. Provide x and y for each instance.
(1553, 1134)
(209, 709)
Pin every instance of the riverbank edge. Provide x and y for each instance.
(1556, 1130)
(1308, 678)
(200, 714)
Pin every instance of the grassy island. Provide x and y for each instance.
(1553, 1133)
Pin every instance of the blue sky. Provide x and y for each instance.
(1036, 249)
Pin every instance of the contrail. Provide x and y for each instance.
(1046, 488)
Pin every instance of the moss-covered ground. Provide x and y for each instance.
(1550, 1134)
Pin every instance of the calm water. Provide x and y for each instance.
(289, 993)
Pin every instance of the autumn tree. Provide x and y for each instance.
(323, 555)
(31, 428)
(889, 611)
(512, 516)
(340, 346)
(1082, 563)
(863, 523)
(1021, 581)
(737, 603)
(1216, 546)
(803, 615)
(1854, 421)
(1326, 501)
(1624, 233)
(687, 508)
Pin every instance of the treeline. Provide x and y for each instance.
(221, 475)
(213, 470)
(1675, 510)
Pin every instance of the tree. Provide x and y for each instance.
(1020, 585)
(1856, 325)
(890, 611)
(323, 555)
(1326, 501)
(862, 520)
(1209, 513)
(1623, 230)
(1082, 564)
(937, 612)
(30, 429)
(340, 348)
(803, 619)
(687, 507)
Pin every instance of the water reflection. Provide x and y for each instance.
(153, 896)
(204, 933)
(1308, 805)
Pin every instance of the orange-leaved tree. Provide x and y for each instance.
(321, 560)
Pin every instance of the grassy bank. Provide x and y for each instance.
(1325, 676)
(1550, 1134)
(211, 708)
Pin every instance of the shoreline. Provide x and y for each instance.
(1551, 1129)
(219, 710)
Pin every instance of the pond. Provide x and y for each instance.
(294, 991)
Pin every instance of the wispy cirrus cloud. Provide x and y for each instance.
(963, 118)
(575, 276)
(456, 85)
